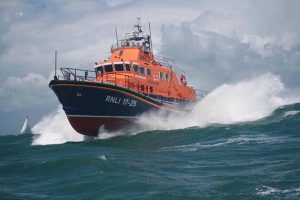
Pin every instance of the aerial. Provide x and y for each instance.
(140, 99)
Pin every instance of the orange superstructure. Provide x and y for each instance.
(133, 65)
(120, 90)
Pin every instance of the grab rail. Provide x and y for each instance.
(121, 80)
(201, 93)
(168, 62)
(77, 74)
(73, 74)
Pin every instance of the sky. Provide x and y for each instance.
(214, 41)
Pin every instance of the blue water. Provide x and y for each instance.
(254, 160)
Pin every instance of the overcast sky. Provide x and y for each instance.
(214, 41)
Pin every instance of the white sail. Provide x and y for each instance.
(26, 127)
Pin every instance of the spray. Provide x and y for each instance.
(244, 101)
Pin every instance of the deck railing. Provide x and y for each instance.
(132, 46)
(113, 78)
(78, 74)
(168, 62)
(201, 93)
(121, 80)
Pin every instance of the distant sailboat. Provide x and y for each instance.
(26, 128)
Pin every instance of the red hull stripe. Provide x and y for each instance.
(115, 90)
(90, 126)
(125, 117)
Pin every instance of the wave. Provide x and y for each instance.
(291, 113)
(238, 140)
(245, 101)
(249, 100)
(267, 190)
(54, 128)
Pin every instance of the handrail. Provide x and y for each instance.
(121, 80)
(201, 93)
(163, 61)
(131, 46)
(114, 78)
(74, 74)
(77, 74)
(168, 62)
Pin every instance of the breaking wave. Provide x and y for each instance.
(291, 113)
(237, 140)
(244, 101)
(55, 129)
(267, 190)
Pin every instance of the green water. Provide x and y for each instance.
(255, 160)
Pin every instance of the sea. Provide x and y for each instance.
(226, 148)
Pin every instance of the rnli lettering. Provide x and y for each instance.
(120, 101)
(111, 99)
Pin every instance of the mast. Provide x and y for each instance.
(150, 38)
(136, 38)
(117, 37)
(55, 65)
(138, 25)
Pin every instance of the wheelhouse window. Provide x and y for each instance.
(119, 67)
(161, 77)
(167, 77)
(108, 68)
(142, 70)
(127, 66)
(99, 70)
(136, 68)
(148, 72)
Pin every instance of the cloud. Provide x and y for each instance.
(82, 32)
(215, 42)
(214, 49)
(29, 91)
(114, 3)
(220, 21)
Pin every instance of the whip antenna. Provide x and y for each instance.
(117, 37)
(150, 37)
(55, 65)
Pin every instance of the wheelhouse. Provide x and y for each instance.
(132, 65)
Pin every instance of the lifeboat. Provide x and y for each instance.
(131, 82)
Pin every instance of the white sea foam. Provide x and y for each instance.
(55, 129)
(266, 190)
(102, 157)
(247, 100)
(239, 140)
(290, 113)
